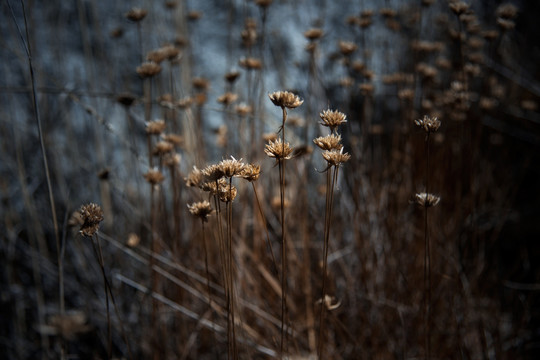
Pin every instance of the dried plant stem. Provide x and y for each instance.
(230, 271)
(264, 224)
(427, 265)
(331, 177)
(281, 163)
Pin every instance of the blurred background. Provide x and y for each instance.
(104, 72)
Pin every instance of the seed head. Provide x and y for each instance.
(507, 11)
(232, 167)
(278, 150)
(155, 127)
(459, 7)
(227, 98)
(194, 178)
(154, 177)
(285, 99)
(251, 172)
(329, 142)
(148, 69)
(313, 34)
(332, 118)
(201, 209)
(91, 215)
(347, 47)
(250, 63)
(232, 76)
(136, 14)
(427, 200)
(162, 148)
(428, 124)
(335, 157)
(213, 172)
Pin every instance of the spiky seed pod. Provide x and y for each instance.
(201, 209)
(195, 178)
(335, 157)
(332, 118)
(278, 150)
(136, 14)
(232, 167)
(329, 142)
(429, 124)
(155, 127)
(154, 177)
(148, 69)
(251, 172)
(427, 200)
(227, 193)
(285, 99)
(91, 215)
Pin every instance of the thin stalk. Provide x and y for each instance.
(427, 265)
(230, 269)
(28, 50)
(265, 226)
(99, 256)
(281, 162)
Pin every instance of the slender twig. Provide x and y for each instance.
(265, 226)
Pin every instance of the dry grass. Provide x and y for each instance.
(200, 178)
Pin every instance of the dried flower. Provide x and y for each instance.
(313, 34)
(194, 178)
(201, 209)
(459, 7)
(332, 118)
(200, 84)
(155, 127)
(91, 215)
(136, 14)
(227, 98)
(429, 124)
(278, 150)
(427, 200)
(347, 47)
(335, 157)
(148, 69)
(329, 142)
(154, 177)
(126, 99)
(507, 11)
(250, 63)
(285, 99)
(251, 172)
(162, 148)
(231, 167)
(133, 240)
(213, 172)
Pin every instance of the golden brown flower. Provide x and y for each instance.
(148, 69)
(285, 99)
(347, 47)
(213, 172)
(232, 76)
(429, 124)
(194, 178)
(335, 157)
(507, 11)
(201, 209)
(250, 63)
(329, 142)
(427, 200)
(278, 150)
(332, 118)
(459, 7)
(313, 34)
(227, 98)
(175, 139)
(91, 215)
(200, 84)
(162, 148)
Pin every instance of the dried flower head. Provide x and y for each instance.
(459, 7)
(133, 240)
(227, 193)
(232, 76)
(154, 177)
(200, 84)
(507, 11)
(347, 47)
(172, 159)
(285, 99)
(213, 172)
(227, 98)
(329, 142)
(201, 209)
(332, 118)
(278, 150)
(250, 63)
(195, 178)
(243, 109)
(313, 34)
(429, 124)
(136, 14)
(91, 215)
(335, 157)
(162, 148)
(155, 127)
(157, 56)
(263, 3)
(175, 139)
(126, 99)
(427, 200)
(148, 69)
(232, 167)
(251, 172)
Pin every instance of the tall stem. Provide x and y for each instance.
(427, 264)
(281, 162)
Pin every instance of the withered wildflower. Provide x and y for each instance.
(136, 14)
(429, 124)
(332, 118)
(148, 69)
(91, 215)
(195, 178)
(427, 200)
(155, 127)
(201, 209)
(154, 177)
(231, 167)
(329, 142)
(335, 157)
(285, 99)
(278, 150)
(251, 172)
